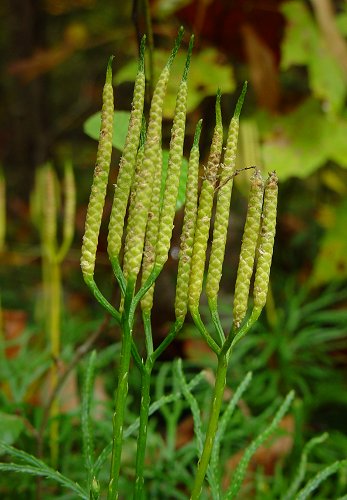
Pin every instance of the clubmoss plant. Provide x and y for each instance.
(139, 237)
(223, 345)
(44, 207)
(137, 185)
(145, 246)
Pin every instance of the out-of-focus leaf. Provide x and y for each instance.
(326, 78)
(331, 262)
(341, 21)
(120, 127)
(336, 140)
(207, 73)
(304, 44)
(301, 35)
(11, 427)
(302, 141)
(334, 181)
(289, 149)
(165, 8)
(126, 73)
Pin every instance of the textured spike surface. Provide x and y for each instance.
(187, 236)
(126, 169)
(204, 213)
(151, 235)
(222, 212)
(248, 248)
(173, 175)
(221, 223)
(266, 241)
(98, 191)
(135, 234)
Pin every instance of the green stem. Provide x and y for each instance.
(212, 304)
(54, 333)
(122, 392)
(104, 302)
(176, 327)
(146, 317)
(136, 356)
(118, 274)
(236, 335)
(142, 435)
(202, 329)
(212, 426)
(146, 400)
(145, 287)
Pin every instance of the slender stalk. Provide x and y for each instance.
(202, 329)
(146, 400)
(136, 356)
(104, 302)
(212, 304)
(142, 435)
(212, 426)
(236, 335)
(117, 271)
(145, 287)
(54, 333)
(146, 317)
(121, 394)
(176, 327)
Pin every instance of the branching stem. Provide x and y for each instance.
(121, 393)
(212, 304)
(146, 400)
(104, 302)
(202, 329)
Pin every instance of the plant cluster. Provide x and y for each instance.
(139, 238)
